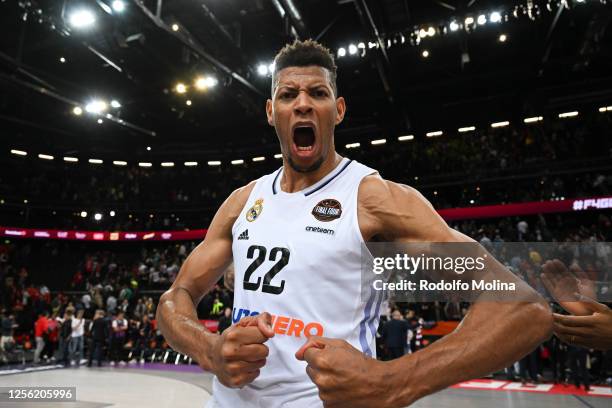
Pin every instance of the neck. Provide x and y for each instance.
(293, 181)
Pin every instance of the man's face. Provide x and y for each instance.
(396, 315)
(304, 111)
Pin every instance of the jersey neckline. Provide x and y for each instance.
(277, 190)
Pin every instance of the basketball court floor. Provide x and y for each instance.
(162, 385)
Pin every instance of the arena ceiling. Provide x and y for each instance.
(556, 54)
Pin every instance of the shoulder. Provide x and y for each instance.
(374, 191)
(238, 198)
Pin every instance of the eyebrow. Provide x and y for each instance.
(293, 86)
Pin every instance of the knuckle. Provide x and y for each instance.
(227, 351)
(232, 335)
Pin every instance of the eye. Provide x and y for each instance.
(321, 93)
(286, 95)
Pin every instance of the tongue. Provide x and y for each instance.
(303, 137)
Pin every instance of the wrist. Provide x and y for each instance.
(402, 381)
(206, 353)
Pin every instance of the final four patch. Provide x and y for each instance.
(327, 210)
(255, 210)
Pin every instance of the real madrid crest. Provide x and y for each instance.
(255, 210)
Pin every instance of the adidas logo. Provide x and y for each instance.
(244, 234)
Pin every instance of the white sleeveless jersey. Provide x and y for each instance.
(298, 257)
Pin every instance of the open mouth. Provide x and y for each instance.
(304, 138)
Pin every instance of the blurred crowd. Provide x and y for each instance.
(548, 160)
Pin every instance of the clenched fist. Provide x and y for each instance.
(239, 353)
(344, 376)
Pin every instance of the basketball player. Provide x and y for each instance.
(302, 336)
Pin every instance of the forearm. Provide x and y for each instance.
(491, 337)
(178, 321)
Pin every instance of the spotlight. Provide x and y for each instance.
(96, 106)
(82, 19)
(466, 129)
(167, 164)
(71, 159)
(97, 216)
(425, 54)
(191, 163)
(112, 213)
(77, 110)
(200, 83)
(361, 45)
(236, 162)
(62, 60)
(352, 145)
(500, 124)
(278, 156)
(210, 81)
(83, 214)
(503, 37)
(568, 114)
(431, 31)
(482, 19)
(378, 141)
(100, 121)
(115, 104)
(45, 157)
(454, 26)
(258, 159)
(434, 134)
(469, 20)
(180, 88)
(96, 161)
(188, 102)
(405, 138)
(495, 17)
(118, 6)
(148, 148)
(341, 52)
(352, 49)
(118, 162)
(422, 33)
(214, 163)
(271, 68)
(533, 119)
(175, 27)
(19, 152)
(262, 70)
(145, 164)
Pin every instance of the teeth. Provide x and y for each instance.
(304, 148)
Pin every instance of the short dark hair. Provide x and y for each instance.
(303, 54)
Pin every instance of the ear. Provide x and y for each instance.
(341, 109)
(269, 112)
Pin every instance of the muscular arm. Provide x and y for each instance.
(176, 313)
(492, 336)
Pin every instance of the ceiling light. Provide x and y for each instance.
(45, 156)
(214, 163)
(71, 159)
(77, 110)
(95, 161)
(82, 19)
(533, 119)
(167, 164)
(191, 163)
(118, 162)
(568, 114)
(467, 129)
(500, 124)
(19, 152)
(378, 141)
(434, 134)
(118, 6)
(405, 138)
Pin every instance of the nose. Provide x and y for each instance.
(303, 103)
